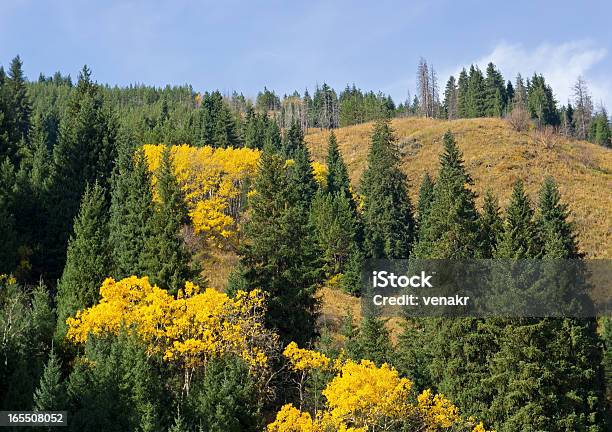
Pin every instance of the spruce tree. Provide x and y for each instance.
(371, 341)
(272, 137)
(450, 353)
(8, 229)
(88, 260)
(130, 212)
(337, 174)
(226, 398)
(490, 226)
(166, 256)
(335, 226)
(495, 92)
(426, 191)
(462, 94)
(519, 239)
(387, 212)
(450, 228)
(301, 176)
(293, 140)
(84, 154)
(18, 110)
(558, 238)
(51, 392)
(279, 254)
(450, 99)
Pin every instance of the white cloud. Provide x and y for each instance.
(560, 65)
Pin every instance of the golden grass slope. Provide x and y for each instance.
(496, 156)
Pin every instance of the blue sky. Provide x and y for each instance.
(287, 45)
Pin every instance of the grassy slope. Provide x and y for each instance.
(495, 156)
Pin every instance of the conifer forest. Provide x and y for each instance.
(187, 258)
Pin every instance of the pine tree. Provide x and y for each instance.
(490, 225)
(130, 212)
(88, 259)
(280, 255)
(51, 393)
(387, 212)
(450, 229)
(166, 256)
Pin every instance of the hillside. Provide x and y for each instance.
(496, 157)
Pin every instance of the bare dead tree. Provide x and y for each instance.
(583, 107)
(423, 87)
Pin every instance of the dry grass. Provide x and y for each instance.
(496, 156)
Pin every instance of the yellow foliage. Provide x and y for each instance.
(437, 411)
(302, 359)
(189, 330)
(364, 397)
(364, 394)
(320, 173)
(213, 181)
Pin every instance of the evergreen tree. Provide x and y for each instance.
(371, 341)
(337, 174)
(475, 102)
(279, 254)
(490, 225)
(599, 130)
(130, 212)
(84, 154)
(166, 256)
(426, 191)
(18, 110)
(335, 225)
(541, 102)
(226, 399)
(387, 212)
(450, 229)
(450, 99)
(519, 238)
(495, 92)
(51, 393)
(272, 138)
(293, 141)
(301, 177)
(88, 259)
(462, 94)
(114, 376)
(8, 230)
(558, 238)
